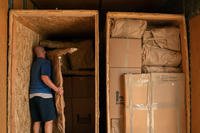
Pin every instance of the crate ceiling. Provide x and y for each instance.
(51, 24)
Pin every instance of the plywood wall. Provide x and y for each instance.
(195, 73)
(3, 64)
(22, 41)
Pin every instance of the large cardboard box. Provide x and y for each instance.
(161, 96)
(125, 52)
(116, 94)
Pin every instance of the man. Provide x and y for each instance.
(42, 106)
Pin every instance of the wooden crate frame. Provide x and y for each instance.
(180, 19)
(17, 15)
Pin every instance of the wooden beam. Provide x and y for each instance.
(17, 4)
(3, 65)
(195, 72)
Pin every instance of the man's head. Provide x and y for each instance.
(39, 51)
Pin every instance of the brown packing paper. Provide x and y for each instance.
(82, 59)
(128, 28)
(165, 102)
(55, 57)
(155, 56)
(166, 37)
(125, 52)
(157, 69)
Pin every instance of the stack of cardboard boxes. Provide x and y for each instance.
(142, 103)
(125, 57)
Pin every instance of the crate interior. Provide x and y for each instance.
(27, 30)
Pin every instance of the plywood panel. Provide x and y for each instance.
(3, 65)
(195, 72)
(21, 60)
(51, 23)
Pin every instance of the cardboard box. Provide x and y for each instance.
(83, 115)
(161, 95)
(139, 122)
(125, 52)
(83, 87)
(117, 125)
(116, 94)
(166, 121)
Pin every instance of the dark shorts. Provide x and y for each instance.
(42, 109)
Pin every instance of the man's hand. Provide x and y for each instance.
(60, 91)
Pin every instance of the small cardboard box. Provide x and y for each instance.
(125, 52)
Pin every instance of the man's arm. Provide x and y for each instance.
(50, 84)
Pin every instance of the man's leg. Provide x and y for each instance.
(48, 126)
(36, 127)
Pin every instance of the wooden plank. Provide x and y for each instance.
(108, 73)
(178, 20)
(145, 16)
(3, 65)
(185, 66)
(17, 4)
(195, 73)
(97, 112)
(41, 22)
(19, 80)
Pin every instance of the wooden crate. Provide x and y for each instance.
(26, 29)
(178, 20)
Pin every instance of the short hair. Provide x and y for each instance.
(36, 48)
